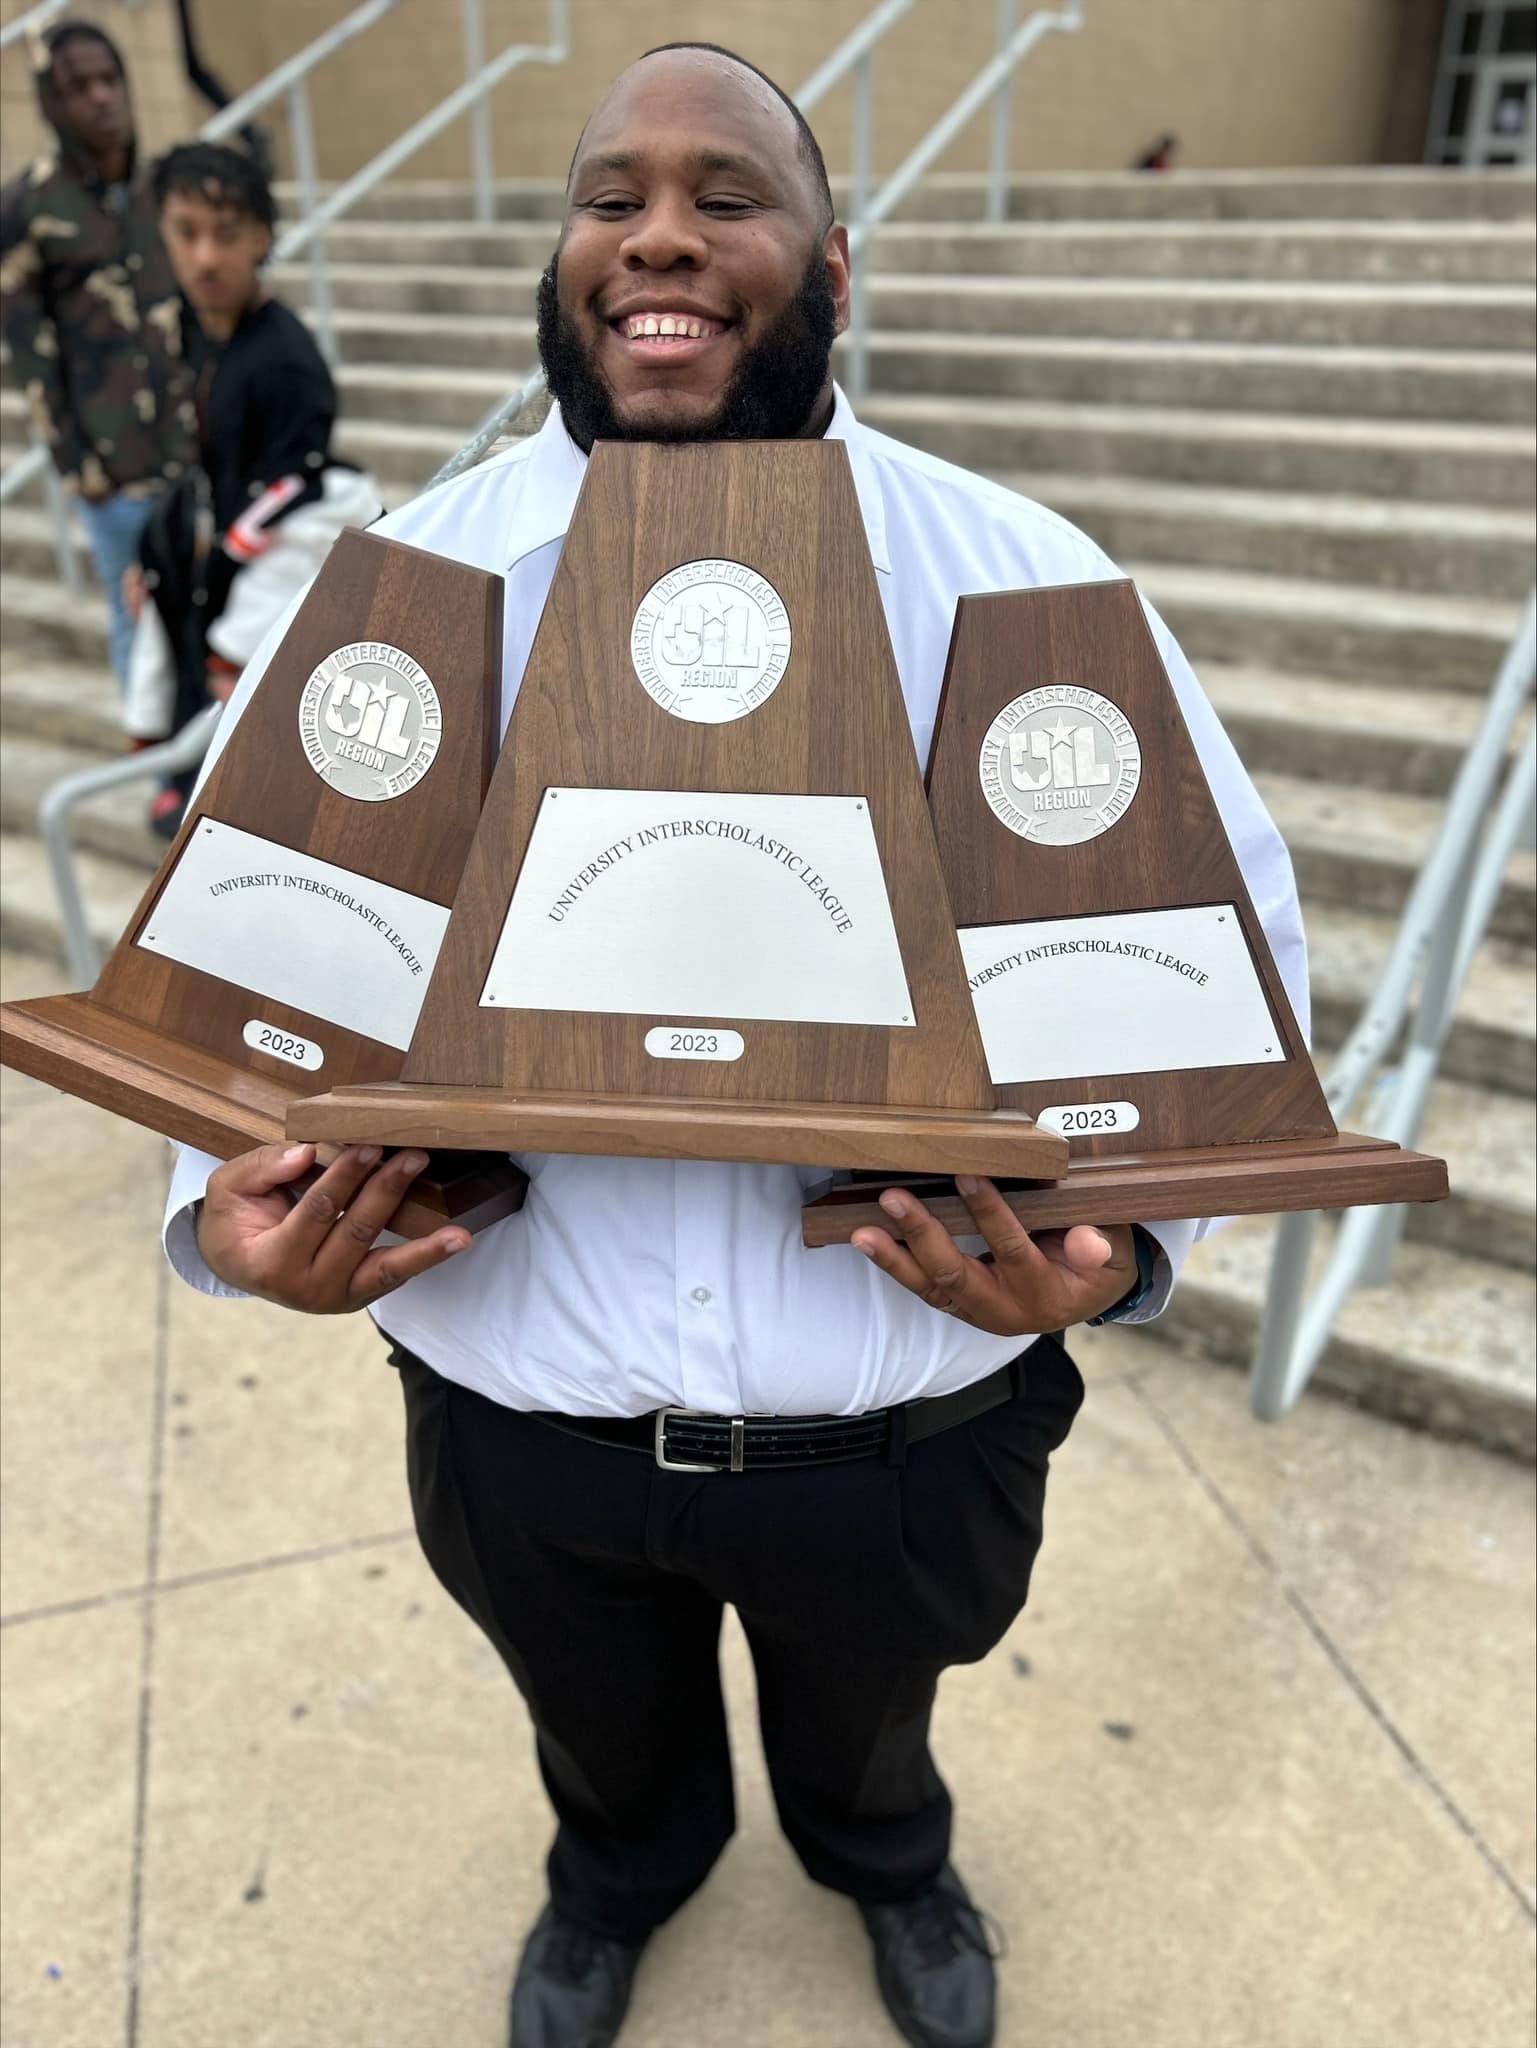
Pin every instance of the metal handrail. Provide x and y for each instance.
(292, 78)
(183, 750)
(471, 94)
(994, 78)
(30, 22)
(1443, 923)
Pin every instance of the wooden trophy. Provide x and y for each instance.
(1123, 984)
(703, 917)
(292, 928)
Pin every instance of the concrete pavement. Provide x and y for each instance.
(1255, 1768)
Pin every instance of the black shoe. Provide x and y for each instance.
(934, 1964)
(572, 1987)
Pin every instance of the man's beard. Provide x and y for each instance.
(772, 392)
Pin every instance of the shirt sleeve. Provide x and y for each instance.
(32, 338)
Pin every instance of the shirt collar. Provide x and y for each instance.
(556, 466)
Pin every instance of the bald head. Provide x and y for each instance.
(711, 63)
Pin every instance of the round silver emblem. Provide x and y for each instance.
(1060, 765)
(370, 721)
(710, 641)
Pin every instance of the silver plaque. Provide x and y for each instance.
(345, 949)
(710, 641)
(370, 721)
(1060, 765)
(1141, 992)
(669, 903)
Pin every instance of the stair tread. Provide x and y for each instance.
(1327, 512)
(1346, 949)
(1377, 824)
(890, 409)
(1354, 604)
(1446, 1314)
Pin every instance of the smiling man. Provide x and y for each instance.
(699, 285)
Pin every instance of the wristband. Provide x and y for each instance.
(1146, 1248)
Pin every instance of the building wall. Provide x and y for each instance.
(1239, 81)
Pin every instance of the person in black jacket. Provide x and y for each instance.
(265, 405)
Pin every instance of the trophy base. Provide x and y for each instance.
(874, 1137)
(193, 1096)
(1266, 1178)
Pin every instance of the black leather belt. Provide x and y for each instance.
(685, 1440)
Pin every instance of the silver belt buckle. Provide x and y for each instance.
(738, 1432)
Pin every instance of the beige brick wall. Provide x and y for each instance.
(1240, 81)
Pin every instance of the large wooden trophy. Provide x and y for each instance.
(703, 916)
(291, 933)
(1124, 986)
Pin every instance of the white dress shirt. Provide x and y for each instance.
(626, 1285)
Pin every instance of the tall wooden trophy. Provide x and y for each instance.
(703, 916)
(1123, 984)
(292, 930)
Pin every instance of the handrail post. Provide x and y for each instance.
(862, 141)
(67, 561)
(482, 170)
(1001, 147)
(1268, 1383)
(301, 130)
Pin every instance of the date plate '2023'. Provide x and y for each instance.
(688, 1042)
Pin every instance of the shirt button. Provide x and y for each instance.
(135, 262)
(702, 1295)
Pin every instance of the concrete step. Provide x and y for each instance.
(114, 824)
(1392, 459)
(1450, 549)
(29, 917)
(1493, 1042)
(1338, 629)
(1353, 383)
(1489, 385)
(1412, 316)
(1389, 193)
(1448, 1347)
(1350, 252)
(1364, 849)
(1366, 736)
(1488, 1142)
(60, 703)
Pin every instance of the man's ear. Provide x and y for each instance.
(835, 253)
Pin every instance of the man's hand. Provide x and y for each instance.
(133, 591)
(1025, 1285)
(315, 1253)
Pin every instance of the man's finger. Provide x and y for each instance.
(260, 1171)
(308, 1224)
(1006, 1237)
(352, 1236)
(383, 1271)
(882, 1250)
(950, 1274)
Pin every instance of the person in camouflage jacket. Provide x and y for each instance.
(90, 311)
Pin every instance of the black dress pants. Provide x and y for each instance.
(601, 1579)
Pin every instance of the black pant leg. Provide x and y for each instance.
(846, 1686)
(541, 1538)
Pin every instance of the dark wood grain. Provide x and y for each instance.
(1345, 1171)
(836, 725)
(779, 1133)
(1168, 849)
(162, 1043)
